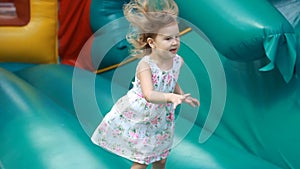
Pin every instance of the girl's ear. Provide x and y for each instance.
(150, 41)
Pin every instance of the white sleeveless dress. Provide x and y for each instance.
(139, 130)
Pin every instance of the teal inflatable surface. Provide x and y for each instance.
(241, 61)
(52, 136)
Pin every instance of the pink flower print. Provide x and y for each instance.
(148, 105)
(103, 143)
(160, 137)
(155, 78)
(169, 104)
(140, 95)
(170, 116)
(118, 131)
(154, 121)
(128, 114)
(165, 136)
(168, 79)
(161, 105)
(146, 141)
(102, 127)
(165, 154)
(118, 149)
(132, 141)
(147, 160)
(133, 134)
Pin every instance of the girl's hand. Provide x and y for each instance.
(191, 101)
(177, 99)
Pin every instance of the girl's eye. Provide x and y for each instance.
(168, 38)
(171, 37)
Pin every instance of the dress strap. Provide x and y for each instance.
(177, 62)
(148, 60)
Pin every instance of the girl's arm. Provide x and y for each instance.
(189, 100)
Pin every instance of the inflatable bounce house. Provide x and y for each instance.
(64, 63)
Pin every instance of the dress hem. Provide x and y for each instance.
(133, 160)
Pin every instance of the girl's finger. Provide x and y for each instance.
(186, 95)
(192, 104)
(196, 102)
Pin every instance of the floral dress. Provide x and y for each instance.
(139, 130)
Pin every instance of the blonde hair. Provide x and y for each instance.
(146, 17)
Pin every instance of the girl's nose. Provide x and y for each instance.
(175, 41)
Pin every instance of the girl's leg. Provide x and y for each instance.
(138, 166)
(159, 164)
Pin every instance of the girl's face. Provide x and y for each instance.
(167, 42)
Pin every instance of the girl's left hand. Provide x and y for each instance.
(192, 101)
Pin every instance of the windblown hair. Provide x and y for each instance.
(146, 17)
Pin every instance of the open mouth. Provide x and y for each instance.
(174, 51)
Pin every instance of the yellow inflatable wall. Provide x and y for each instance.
(35, 42)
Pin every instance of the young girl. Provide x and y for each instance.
(140, 126)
